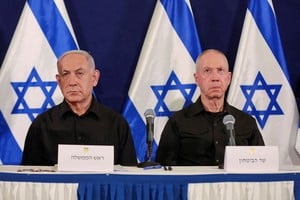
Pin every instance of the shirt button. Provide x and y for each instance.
(217, 142)
(79, 137)
(217, 161)
(215, 124)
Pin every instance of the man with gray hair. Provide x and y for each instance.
(196, 134)
(79, 119)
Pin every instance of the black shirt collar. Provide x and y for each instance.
(92, 110)
(197, 107)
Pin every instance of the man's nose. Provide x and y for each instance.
(72, 79)
(215, 76)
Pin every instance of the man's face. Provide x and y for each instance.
(212, 75)
(77, 78)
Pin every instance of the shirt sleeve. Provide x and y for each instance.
(126, 151)
(169, 144)
(32, 154)
(256, 138)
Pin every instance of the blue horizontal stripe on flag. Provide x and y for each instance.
(53, 26)
(183, 23)
(10, 152)
(266, 22)
(138, 131)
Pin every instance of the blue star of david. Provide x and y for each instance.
(34, 80)
(173, 83)
(272, 91)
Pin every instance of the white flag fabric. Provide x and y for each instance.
(27, 76)
(260, 83)
(163, 79)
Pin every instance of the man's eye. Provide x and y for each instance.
(221, 71)
(207, 71)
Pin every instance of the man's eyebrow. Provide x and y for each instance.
(65, 71)
(79, 69)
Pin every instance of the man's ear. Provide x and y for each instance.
(58, 79)
(196, 78)
(96, 77)
(229, 77)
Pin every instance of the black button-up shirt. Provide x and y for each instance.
(193, 136)
(60, 125)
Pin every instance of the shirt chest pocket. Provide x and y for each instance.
(192, 130)
(194, 137)
(242, 137)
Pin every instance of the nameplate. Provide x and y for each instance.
(97, 158)
(251, 159)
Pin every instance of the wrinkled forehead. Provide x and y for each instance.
(212, 59)
(74, 61)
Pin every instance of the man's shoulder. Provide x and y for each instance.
(50, 111)
(187, 111)
(238, 113)
(106, 111)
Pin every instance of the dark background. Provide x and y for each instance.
(113, 32)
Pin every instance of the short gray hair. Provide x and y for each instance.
(81, 52)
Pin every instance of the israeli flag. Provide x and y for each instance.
(27, 76)
(163, 79)
(260, 83)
